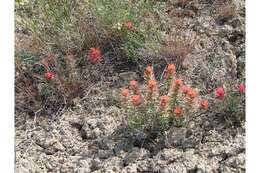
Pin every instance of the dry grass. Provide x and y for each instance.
(178, 48)
(182, 3)
(226, 10)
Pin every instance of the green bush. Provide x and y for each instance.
(52, 80)
(117, 14)
(60, 25)
(75, 25)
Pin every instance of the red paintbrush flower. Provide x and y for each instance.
(242, 88)
(178, 83)
(152, 85)
(192, 93)
(133, 85)
(178, 111)
(220, 93)
(204, 104)
(49, 75)
(164, 101)
(185, 89)
(125, 92)
(148, 72)
(171, 70)
(136, 100)
(95, 55)
(129, 25)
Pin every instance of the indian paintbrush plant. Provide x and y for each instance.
(47, 83)
(230, 103)
(156, 106)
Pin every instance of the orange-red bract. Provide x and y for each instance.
(204, 104)
(152, 84)
(164, 101)
(125, 92)
(133, 84)
(136, 100)
(95, 55)
(178, 111)
(49, 75)
(220, 93)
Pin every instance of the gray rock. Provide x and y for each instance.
(135, 155)
(237, 161)
(174, 168)
(176, 136)
(84, 166)
(170, 154)
(104, 154)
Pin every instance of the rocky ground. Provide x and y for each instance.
(91, 136)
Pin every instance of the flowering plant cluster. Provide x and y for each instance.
(155, 106)
(230, 102)
(52, 78)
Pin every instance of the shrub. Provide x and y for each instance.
(154, 107)
(25, 90)
(127, 19)
(47, 83)
(60, 25)
(71, 26)
(230, 103)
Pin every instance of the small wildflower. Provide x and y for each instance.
(185, 89)
(136, 100)
(95, 55)
(133, 84)
(178, 111)
(125, 92)
(242, 88)
(148, 71)
(220, 93)
(191, 93)
(151, 85)
(171, 70)
(129, 24)
(178, 82)
(49, 75)
(164, 101)
(204, 104)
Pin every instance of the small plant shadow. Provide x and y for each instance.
(125, 140)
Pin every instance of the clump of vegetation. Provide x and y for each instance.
(155, 107)
(182, 3)
(72, 26)
(67, 29)
(230, 103)
(25, 88)
(60, 25)
(226, 10)
(51, 80)
(127, 19)
(177, 48)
